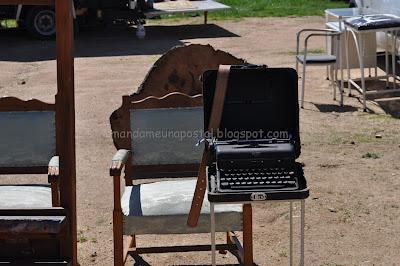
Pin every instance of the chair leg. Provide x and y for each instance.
(55, 193)
(228, 241)
(117, 224)
(303, 84)
(129, 244)
(118, 239)
(341, 82)
(333, 81)
(247, 235)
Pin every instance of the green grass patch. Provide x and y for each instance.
(8, 23)
(276, 8)
(269, 8)
(309, 51)
(371, 155)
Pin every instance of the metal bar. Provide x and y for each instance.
(341, 71)
(303, 213)
(19, 9)
(346, 45)
(326, 46)
(291, 233)
(360, 50)
(394, 58)
(387, 58)
(377, 92)
(372, 78)
(213, 247)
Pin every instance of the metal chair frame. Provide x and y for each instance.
(333, 65)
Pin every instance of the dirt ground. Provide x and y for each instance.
(353, 212)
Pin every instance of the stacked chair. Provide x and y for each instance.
(32, 222)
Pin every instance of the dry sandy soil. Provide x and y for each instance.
(353, 212)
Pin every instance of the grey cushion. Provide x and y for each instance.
(373, 22)
(162, 208)
(166, 135)
(317, 59)
(21, 197)
(27, 138)
(28, 197)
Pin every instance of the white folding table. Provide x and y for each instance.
(358, 35)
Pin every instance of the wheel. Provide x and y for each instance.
(41, 22)
(352, 3)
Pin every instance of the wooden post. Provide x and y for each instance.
(66, 122)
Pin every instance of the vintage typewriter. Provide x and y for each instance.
(253, 154)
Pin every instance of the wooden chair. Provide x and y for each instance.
(32, 223)
(146, 129)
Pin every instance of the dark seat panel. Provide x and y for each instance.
(31, 224)
(317, 59)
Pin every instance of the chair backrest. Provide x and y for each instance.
(163, 133)
(27, 135)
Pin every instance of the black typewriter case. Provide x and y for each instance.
(257, 98)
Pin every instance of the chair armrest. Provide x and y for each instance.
(54, 169)
(326, 31)
(330, 33)
(118, 162)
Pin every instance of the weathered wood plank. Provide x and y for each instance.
(178, 70)
(65, 123)
(21, 225)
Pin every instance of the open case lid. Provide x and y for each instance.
(257, 98)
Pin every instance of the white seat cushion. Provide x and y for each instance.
(162, 208)
(25, 197)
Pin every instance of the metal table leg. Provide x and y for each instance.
(213, 247)
(303, 213)
(387, 59)
(291, 233)
(394, 58)
(346, 45)
(360, 50)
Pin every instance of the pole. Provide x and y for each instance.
(65, 104)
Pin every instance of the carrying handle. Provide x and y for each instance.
(213, 125)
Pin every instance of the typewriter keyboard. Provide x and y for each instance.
(255, 179)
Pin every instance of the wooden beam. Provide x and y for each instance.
(33, 212)
(248, 234)
(65, 122)
(28, 2)
(169, 249)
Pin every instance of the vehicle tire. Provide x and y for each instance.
(352, 3)
(41, 22)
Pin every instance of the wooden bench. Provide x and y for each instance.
(162, 133)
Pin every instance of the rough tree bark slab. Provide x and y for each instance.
(178, 70)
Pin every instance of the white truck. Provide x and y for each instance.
(40, 20)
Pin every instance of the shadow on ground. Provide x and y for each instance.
(329, 108)
(17, 46)
(390, 101)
